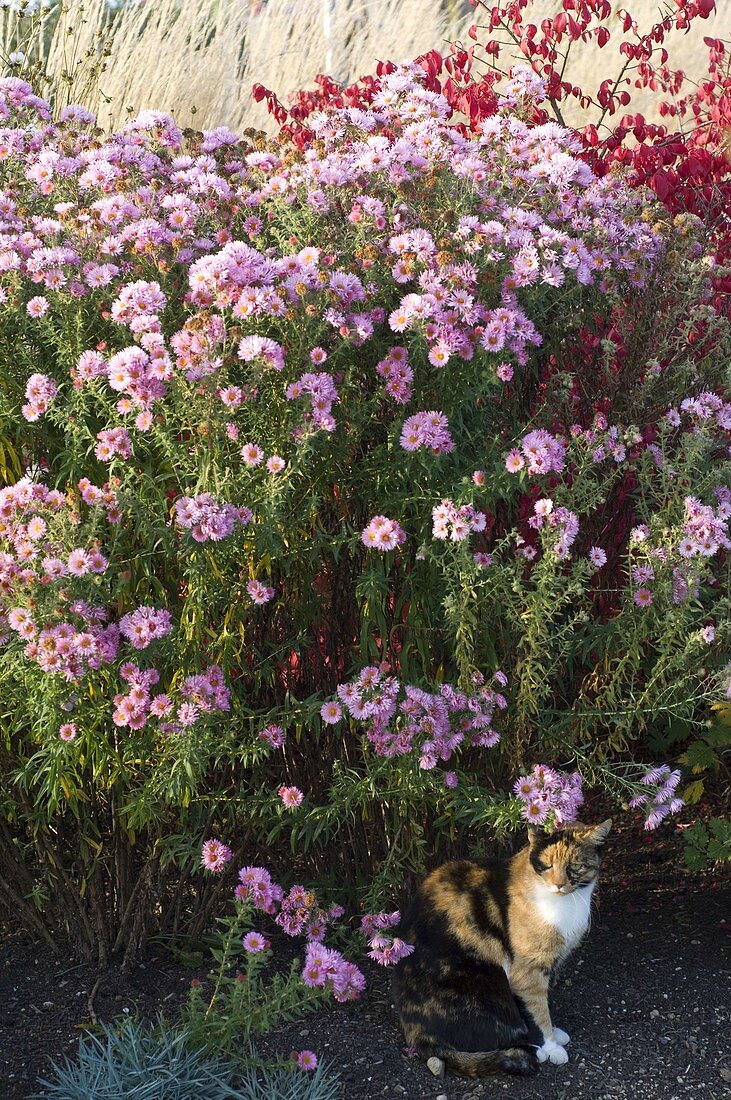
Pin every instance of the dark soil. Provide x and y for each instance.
(645, 1000)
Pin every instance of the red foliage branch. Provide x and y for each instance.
(687, 166)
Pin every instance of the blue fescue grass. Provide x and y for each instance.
(132, 1060)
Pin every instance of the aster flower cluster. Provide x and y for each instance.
(300, 913)
(326, 968)
(605, 442)
(703, 536)
(565, 524)
(550, 798)
(297, 913)
(383, 534)
(259, 593)
(701, 409)
(113, 442)
(257, 886)
(661, 800)
(215, 855)
(385, 949)
(322, 392)
(456, 522)
(40, 391)
(427, 430)
(144, 625)
(69, 648)
(541, 451)
(705, 531)
(396, 370)
(206, 519)
(104, 496)
(199, 694)
(37, 526)
(402, 718)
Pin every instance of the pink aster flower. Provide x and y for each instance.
(215, 855)
(331, 713)
(307, 1061)
(187, 714)
(251, 454)
(388, 951)
(526, 787)
(597, 557)
(67, 732)
(78, 563)
(231, 397)
(161, 705)
(37, 307)
(535, 812)
(254, 942)
(274, 735)
(291, 797)
(642, 597)
(259, 593)
(514, 461)
(275, 464)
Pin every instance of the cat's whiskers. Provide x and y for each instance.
(585, 904)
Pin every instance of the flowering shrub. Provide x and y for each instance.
(257, 365)
(244, 1000)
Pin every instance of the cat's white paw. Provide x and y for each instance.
(552, 1052)
(560, 1037)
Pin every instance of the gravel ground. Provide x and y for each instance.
(646, 1001)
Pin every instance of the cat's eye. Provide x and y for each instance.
(543, 867)
(574, 871)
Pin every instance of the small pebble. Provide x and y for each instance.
(435, 1066)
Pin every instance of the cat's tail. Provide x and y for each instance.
(521, 1061)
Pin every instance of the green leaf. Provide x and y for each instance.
(699, 756)
(693, 792)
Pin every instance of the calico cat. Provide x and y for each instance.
(487, 935)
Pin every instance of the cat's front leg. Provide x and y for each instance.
(530, 983)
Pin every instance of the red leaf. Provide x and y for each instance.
(661, 184)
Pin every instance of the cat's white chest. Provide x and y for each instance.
(569, 913)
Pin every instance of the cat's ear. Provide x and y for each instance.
(534, 835)
(597, 834)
